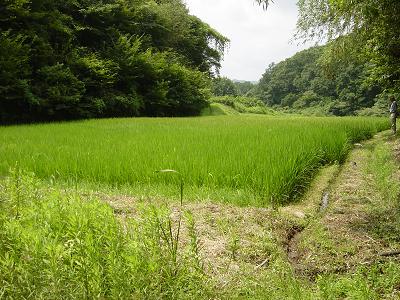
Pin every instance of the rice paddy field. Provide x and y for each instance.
(84, 227)
(269, 159)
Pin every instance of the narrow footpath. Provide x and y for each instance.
(358, 221)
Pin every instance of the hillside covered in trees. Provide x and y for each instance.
(353, 74)
(88, 58)
(304, 83)
(301, 83)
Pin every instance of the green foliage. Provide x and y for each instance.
(59, 246)
(243, 104)
(364, 30)
(223, 86)
(59, 90)
(15, 72)
(79, 59)
(302, 84)
(218, 109)
(380, 108)
(266, 158)
(245, 88)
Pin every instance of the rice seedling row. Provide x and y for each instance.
(272, 158)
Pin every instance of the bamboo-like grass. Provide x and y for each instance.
(273, 158)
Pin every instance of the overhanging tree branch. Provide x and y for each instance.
(264, 3)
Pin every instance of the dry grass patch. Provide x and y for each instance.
(344, 238)
(231, 239)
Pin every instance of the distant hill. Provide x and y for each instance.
(301, 84)
(244, 81)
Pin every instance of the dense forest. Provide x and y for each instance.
(355, 73)
(223, 86)
(300, 83)
(109, 58)
(89, 58)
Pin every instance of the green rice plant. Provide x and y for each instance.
(267, 159)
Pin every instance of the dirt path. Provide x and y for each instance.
(358, 225)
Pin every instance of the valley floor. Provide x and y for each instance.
(341, 241)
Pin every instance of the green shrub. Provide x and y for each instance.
(59, 90)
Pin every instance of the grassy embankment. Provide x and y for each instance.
(351, 250)
(57, 245)
(246, 160)
(234, 105)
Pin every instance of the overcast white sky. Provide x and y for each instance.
(258, 37)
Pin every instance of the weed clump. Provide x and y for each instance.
(62, 246)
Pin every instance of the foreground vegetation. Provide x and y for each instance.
(59, 246)
(64, 244)
(268, 159)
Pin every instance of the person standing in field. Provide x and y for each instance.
(393, 113)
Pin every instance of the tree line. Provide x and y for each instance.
(68, 59)
(111, 58)
(301, 82)
(354, 73)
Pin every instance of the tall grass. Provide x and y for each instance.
(270, 157)
(57, 246)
